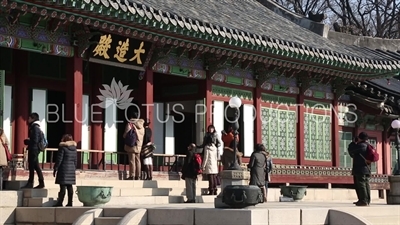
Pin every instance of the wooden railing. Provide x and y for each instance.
(107, 161)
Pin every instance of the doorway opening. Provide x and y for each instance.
(56, 127)
(184, 131)
(175, 124)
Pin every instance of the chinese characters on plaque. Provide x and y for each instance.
(118, 49)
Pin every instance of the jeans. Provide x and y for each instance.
(363, 190)
(212, 182)
(190, 189)
(33, 165)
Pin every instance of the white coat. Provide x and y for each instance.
(210, 161)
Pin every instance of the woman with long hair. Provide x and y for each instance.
(212, 133)
(210, 164)
(147, 152)
(64, 169)
(257, 168)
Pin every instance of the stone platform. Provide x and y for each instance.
(296, 213)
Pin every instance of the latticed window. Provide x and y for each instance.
(373, 141)
(345, 140)
(279, 132)
(317, 137)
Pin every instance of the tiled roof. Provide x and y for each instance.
(251, 21)
(243, 24)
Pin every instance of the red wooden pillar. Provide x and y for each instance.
(386, 153)
(300, 129)
(335, 135)
(74, 92)
(22, 102)
(208, 101)
(96, 112)
(258, 120)
(146, 96)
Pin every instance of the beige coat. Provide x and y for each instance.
(138, 124)
(3, 157)
(210, 161)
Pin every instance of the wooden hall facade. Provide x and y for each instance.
(291, 81)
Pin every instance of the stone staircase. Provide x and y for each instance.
(124, 192)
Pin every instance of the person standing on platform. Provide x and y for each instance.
(147, 152)
(33, 151)
(212, 133)
(136, 131)
(210, 164)
(268, 170)
(64, 169)
(257, 168)
(189, 174)
(361, 171)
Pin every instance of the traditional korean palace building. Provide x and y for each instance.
(64, 59)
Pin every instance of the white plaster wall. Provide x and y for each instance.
(39, 106)
(158, 127)
(110, 129)
(85, 123)
(169, 136)
(248, 129)
(218, 120)
(7, 112)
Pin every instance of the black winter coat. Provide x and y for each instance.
(358, 151)
(188, 166)
(66, 163)
(34, 137)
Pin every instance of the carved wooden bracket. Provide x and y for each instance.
(304, 81)
(84, 42)
(264, 72)
(181, 51)
(247, 64)
(54, 24)
(149, 57)
(216, 64)
(339, 86)
(236, 62)
(13, 16)
(160, 52)
(35, 20)
(194, 54)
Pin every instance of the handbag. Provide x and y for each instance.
(8, 154)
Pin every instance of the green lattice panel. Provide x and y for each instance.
(317, 137)
(372, 141)
(345, 140)
(279, 132)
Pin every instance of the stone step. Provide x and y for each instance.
(16, 185)
(53, 192)
(107, 220)
(121, 201)
(116, 212)
(38, 202)
(383, 220)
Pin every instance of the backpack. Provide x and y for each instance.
(197, 163)
(372, 155)
(42, 145)
(131, 137)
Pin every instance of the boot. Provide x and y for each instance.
(70, 196)
(40, 186)
(28, 185)
(60, 200)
